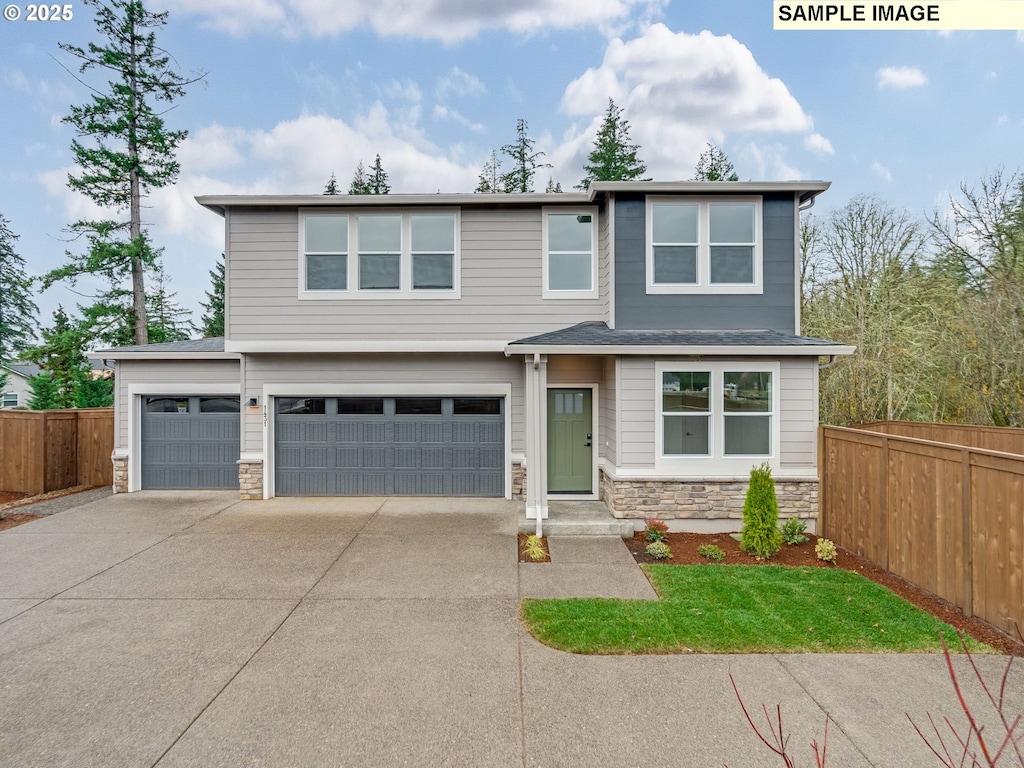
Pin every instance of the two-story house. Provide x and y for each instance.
(638, 343)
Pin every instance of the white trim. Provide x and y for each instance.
(157, 355)
(362, 345)
(594, 291)
(611, 261)
(702, 350)
(595, 445)
(716, 462)
(138, 390)
(797, 265)
(704, 285)
(405, 292)
(794, 474)
(273, 389)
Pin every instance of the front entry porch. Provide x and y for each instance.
(578, 518)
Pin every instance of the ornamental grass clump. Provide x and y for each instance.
(761, 535)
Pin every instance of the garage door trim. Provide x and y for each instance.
(378, 389)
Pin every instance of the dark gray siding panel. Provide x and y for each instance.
(773, 309)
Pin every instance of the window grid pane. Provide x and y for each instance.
(326, 234)
(326, 273)
(433, 271)
(570, 248)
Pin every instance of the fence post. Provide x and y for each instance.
(821, 527)
(968, 545)
(886, 538)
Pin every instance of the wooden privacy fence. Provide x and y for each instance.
(948, 518)
(1005, 439)
(44, 451)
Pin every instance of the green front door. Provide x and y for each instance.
(570, 443)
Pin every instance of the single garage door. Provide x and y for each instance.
(190, 442)
(390, 446)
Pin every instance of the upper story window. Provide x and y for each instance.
(401, 253)
(570, 253)
(704, 246)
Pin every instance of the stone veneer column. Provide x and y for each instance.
(518, 481)
(120, 473)
(250, 480)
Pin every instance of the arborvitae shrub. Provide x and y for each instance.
(761, 535)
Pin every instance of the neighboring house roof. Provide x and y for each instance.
(170, 350)
(807, 190)
(596, 337)
(25, 370)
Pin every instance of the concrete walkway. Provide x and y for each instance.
(187, 628)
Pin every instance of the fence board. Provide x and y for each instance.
(952, 517)
(44, 451)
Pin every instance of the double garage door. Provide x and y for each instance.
(190, 442)
(383, 446)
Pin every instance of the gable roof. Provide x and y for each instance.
(595, 337)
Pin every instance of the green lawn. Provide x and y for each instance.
(742, 609)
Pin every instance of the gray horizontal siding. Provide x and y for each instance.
(636, 400)
(501, 287)
(609, 437)
(157, 377)
(385, 370)
(799, 427)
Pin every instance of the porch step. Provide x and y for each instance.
(578, 518)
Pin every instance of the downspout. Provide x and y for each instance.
(829, 364)
(540, 523)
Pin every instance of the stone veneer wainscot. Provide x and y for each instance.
(250, 480)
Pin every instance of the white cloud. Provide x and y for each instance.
(881, 172)
(678, 92)
(446, 20)
(901, 78)
(457, 83)
(442, 112)
(817, 143)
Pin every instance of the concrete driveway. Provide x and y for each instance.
(191, 629)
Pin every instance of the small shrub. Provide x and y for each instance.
(711, 552)
(825, 549)
(659, 550)
(761, 515)
(534, 547)
(656, 530)
(793, 531)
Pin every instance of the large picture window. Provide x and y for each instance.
(718, 411)
(391, 253)
(569, 254)
(710, 246)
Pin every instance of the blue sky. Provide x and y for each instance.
(298, 89)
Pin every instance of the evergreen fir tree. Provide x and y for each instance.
(491, 180)
(17, 310)
(360, 183)
(613, 158)
(525, 161)
(213, 318)
(332, 186)
(378, 179)
(62, 355)
(714, 165)
(123, 149)
(43, 392)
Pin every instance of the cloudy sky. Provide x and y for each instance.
(298, 89)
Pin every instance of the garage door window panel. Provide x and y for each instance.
(361, 406)
(417, 406)
(297, 406)
(167, 405)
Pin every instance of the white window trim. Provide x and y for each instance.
(703, 284)
(716, 462)
(594, 291)
(406, 291)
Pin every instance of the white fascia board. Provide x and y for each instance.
(157, 356)
(665, 349)
(366, 346)
(220, 203)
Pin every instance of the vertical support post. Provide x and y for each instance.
(884, 523)
(968, 544)
(542, 432)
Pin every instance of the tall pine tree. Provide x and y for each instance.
(213, 317)
(491, 180)
(525, 161)
(613, 158)
(17, 310)
(378, 179)
(360, 183)
(714, 165)
(123, 149)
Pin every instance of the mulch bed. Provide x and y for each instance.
(11, 520)
(684, 552)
